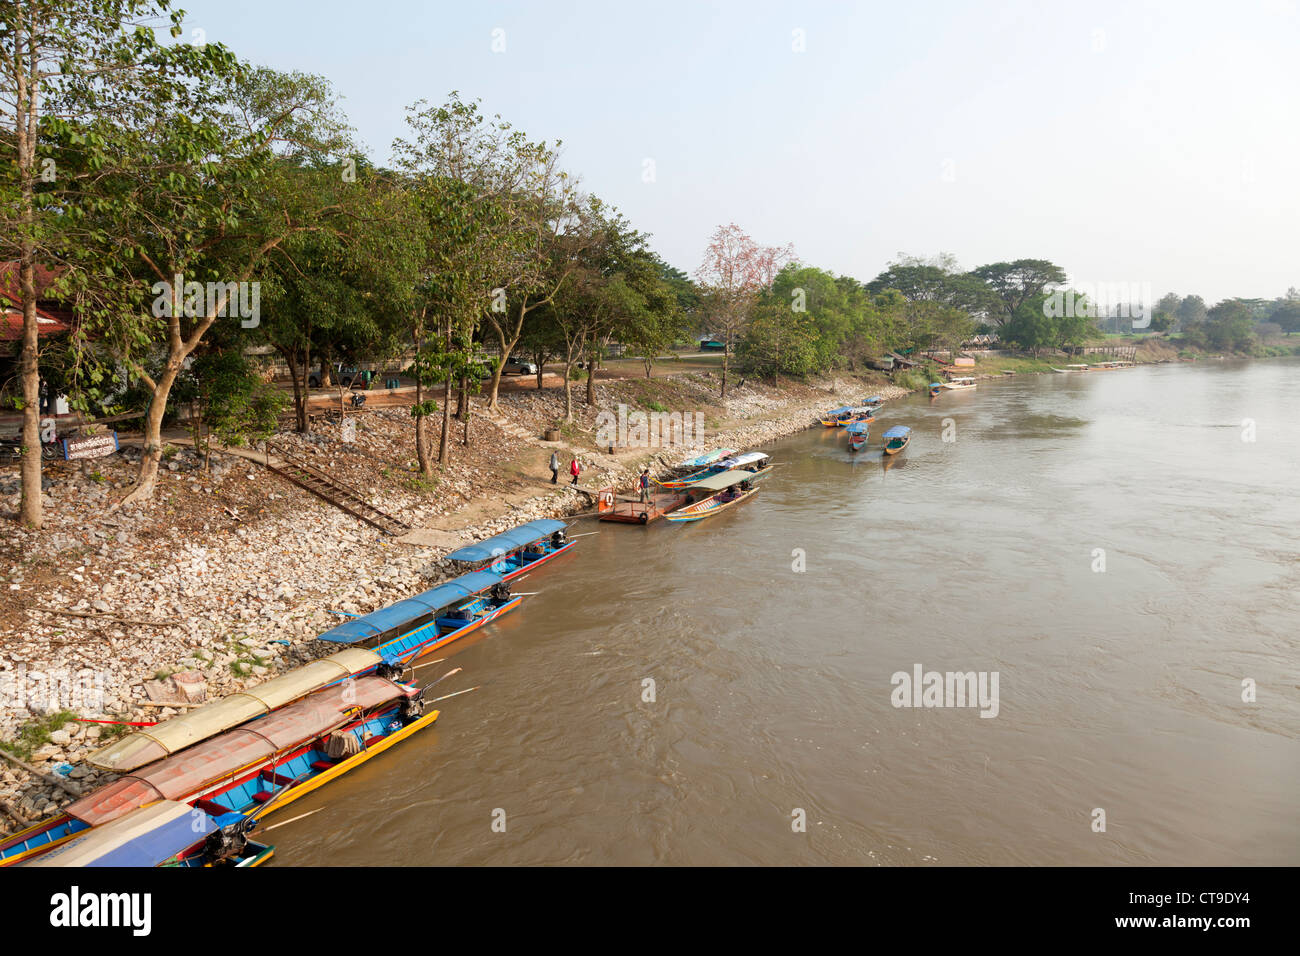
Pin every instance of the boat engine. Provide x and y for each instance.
(227, 844)
(557, 540)
(501, 592)
(412, 708)
(390, 670)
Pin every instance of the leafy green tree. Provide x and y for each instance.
(1191, 311)
(78, 76)
(1016, 283)
(181, 244)
(1286, 313)
(230, 399)
(1230, 327)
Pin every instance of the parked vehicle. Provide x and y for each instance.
(514, 367)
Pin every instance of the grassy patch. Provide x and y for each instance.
(36, 734)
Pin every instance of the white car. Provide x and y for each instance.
(519, 368)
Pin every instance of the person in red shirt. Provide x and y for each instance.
(574, 470)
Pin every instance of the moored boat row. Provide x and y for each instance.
(231, 761)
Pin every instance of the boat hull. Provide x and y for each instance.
(697, 511)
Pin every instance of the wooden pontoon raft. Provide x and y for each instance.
(629, 510)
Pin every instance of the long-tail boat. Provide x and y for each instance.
(520, 549)
(164, 739)
(166, 833)
(857, 432)
(754, 462)
(896, 439)
(959, 383)
(832, 418)
(403, 632)
(935, 389)
(295, 749)
(729, 488)
(699, 461)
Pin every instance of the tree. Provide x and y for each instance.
(1015, 283)
(1230, 327)
(231, 401)
(1286, 313)
(192, 209)
(76, 74)
(1191, 311)
(734, 271)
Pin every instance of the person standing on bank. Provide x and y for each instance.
(575, 471)
(555, 467)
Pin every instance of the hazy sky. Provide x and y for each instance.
(1128, 142)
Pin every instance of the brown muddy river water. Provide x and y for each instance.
(1118, 689)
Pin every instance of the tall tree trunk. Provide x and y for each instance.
(568, 389)
(299, 399)
(726, 354)
(304, 420)
(507, 342)
(148, 476)
(591, 376)
(30, 511)
(422, 432)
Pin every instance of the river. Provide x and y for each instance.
(1119, 689)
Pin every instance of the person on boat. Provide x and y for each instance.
(555, 467)
(644, 482)
(574, 470)
(557, 540)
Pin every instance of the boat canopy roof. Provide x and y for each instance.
(898, 431)
(861, 409)
(707, 458)
(936, 384)
(838, 411)
(873, 400)
(507, 541)
(746, 459)
(145, 746)
(216, 759)
(146, 837)
(401, 614)
(858, 428)
(724, 479)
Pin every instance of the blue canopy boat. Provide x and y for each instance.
(832, 418)
(873, 400)
(935, 389)
(754, 462)
(165, 833)
(896, 439)
(857, 432)
(708, 458)
(512, 552)
(409, 629)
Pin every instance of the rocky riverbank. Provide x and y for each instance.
(227, 576)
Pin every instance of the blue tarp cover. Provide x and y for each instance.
(857, 428)
(402, 613)
(898, 431)
(507, 541)
(161, 844)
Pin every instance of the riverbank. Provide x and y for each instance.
(229, 573)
